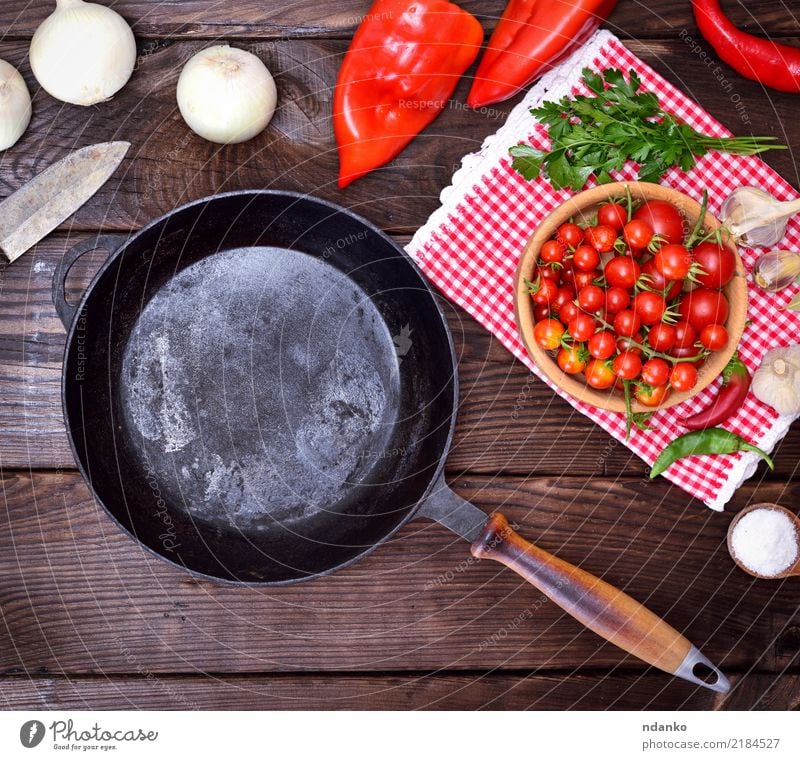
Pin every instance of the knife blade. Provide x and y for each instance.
(38, 207)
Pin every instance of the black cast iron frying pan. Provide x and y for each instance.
(260, 388)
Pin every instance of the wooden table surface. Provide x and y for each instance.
(90, 620)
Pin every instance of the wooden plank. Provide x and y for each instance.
(451, 691)
(255, 19)
(78, 596)
(168, 165)
(505, 413)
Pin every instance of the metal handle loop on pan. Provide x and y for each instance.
(107, 242)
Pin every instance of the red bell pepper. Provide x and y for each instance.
(771, 63)
(402, 66)
(531, 37)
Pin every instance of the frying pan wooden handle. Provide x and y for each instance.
(601, 607)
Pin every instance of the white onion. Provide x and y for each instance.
(226, 95)
(83, 53)
(15, 105)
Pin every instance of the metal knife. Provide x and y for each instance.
(36, 209)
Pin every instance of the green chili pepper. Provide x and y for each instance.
(709, 441)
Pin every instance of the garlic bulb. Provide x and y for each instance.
(226, 95)
(83, 53)
(15, 105)
(756, 218)
(777, 381)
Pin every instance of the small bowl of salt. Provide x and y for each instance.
(764, 540)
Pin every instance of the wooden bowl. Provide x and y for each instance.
(581, 208)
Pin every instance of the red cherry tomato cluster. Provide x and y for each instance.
(626, 300)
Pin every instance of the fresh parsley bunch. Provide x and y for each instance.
(593, 135)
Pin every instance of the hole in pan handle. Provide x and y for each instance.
(102, 242)
(598, 605)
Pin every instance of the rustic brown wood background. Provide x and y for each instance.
(89, 620)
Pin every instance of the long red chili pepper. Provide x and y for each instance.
(770, 63)
(402, 66)
(735, 384)
(531, 37)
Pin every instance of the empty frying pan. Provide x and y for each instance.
(260, 388)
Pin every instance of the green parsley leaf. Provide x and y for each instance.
(593, 135)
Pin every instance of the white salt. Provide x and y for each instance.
(765, 541)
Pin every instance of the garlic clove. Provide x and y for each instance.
(776, 270)
(83, 53)
(15, 105)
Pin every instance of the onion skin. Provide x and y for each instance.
(15, 105)
(83, 53)
(226, 95)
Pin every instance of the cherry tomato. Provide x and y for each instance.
(687, 353)
(663, 218)
(637, 234)
(549, 273)
(718, 264)
(545, 291)
(627, 344)
(622, 272)
(673, 261)
(649, 395)
(599, 375)
(685, 335)
(617, 299)
(591, 298)
(552, 252)
(683, 376)
(627, 323)
(655, 372)
(601, 238)
(540, 311)
(570, 234)
(602, 345)
(714, 337)
(582, 327)
(650, 307)
(612, 215)
(548, 334)
(572, 359)
(568, 311)
(661, 337)
(655, 280)
(702, 307)
(627, 365)
(585, 258)
(582, 279)
(563, 294)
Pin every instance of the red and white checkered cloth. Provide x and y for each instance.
(470, 247)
